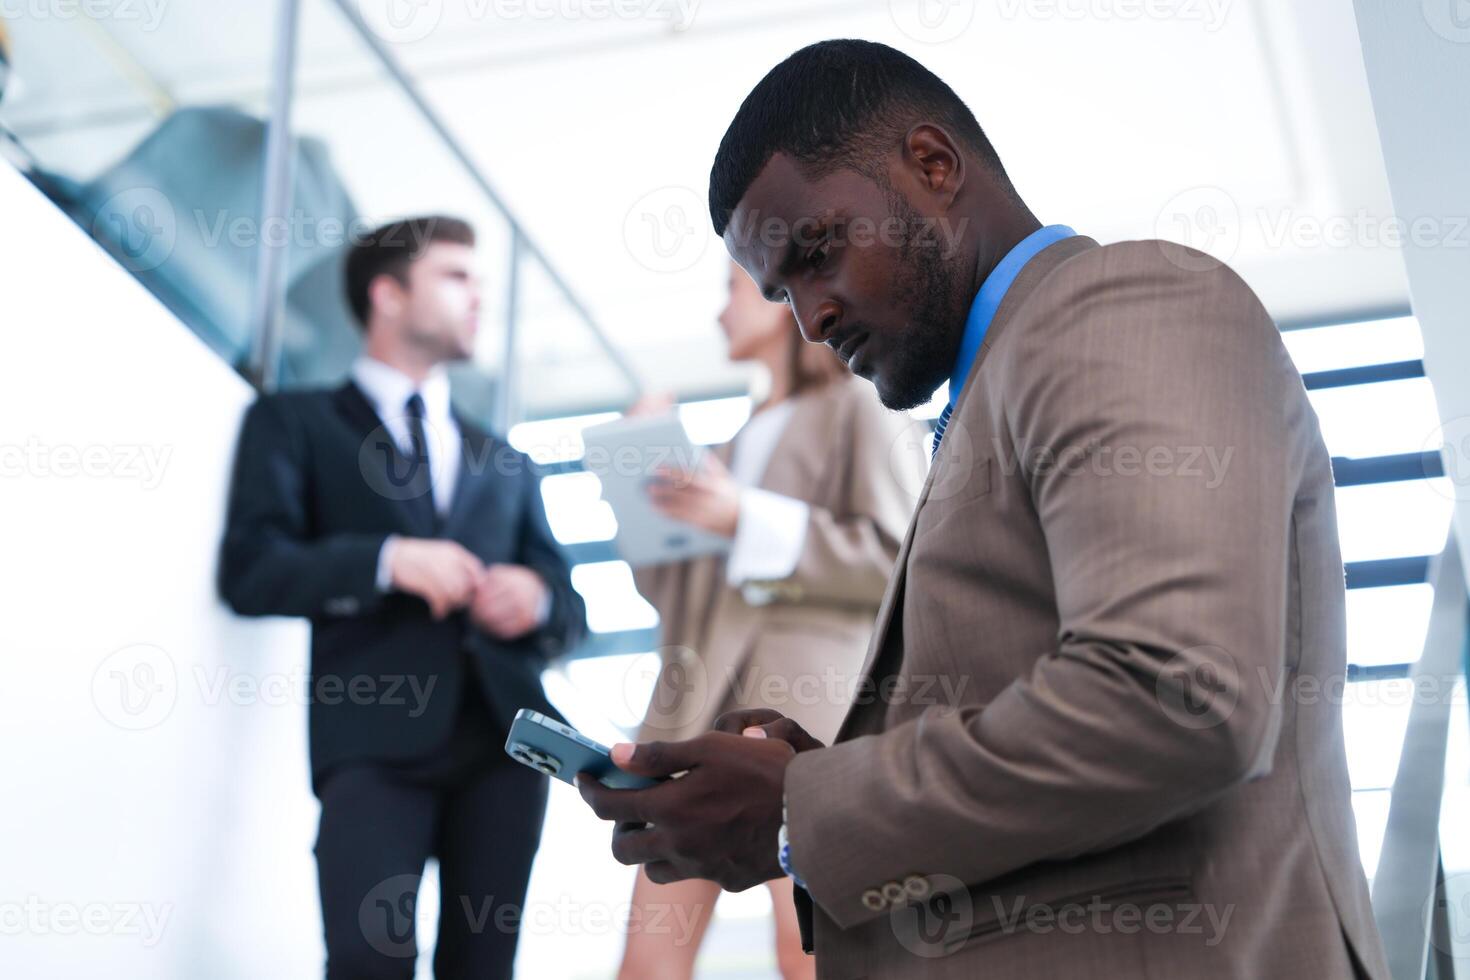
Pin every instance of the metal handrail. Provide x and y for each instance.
(267, 321)
(1409, 871)
(524, 241)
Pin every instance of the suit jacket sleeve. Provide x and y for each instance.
(849, 551)
(269, 566)
(539, 551)
(1161, 580)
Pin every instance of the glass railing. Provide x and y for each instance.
(154, 132)
(142, 131)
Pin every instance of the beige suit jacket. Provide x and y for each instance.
(794, 645)
(1098, 735)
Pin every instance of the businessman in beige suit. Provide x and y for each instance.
(1126, 548)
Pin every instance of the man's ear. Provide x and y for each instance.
(934, 159)
(386, 295)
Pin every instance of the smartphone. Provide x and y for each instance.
(559, 750)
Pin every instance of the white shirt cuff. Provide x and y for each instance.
(384, 578)
(543, 611)
(769, 537)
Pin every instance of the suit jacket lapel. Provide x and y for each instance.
(377, 452)
(891, 597)
(476, 460)
(1030, 277)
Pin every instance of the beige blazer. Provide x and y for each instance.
(794, 645)
(1097, 730)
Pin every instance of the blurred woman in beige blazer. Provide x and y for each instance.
(815, 493)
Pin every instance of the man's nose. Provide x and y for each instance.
(818, 323)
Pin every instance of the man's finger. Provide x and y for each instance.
(663, 872)
(621, 805)
(792, 734)
(635, 844)
(660, 758)
(740, 719)
(491, 582)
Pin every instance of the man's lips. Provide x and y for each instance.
(849, 347)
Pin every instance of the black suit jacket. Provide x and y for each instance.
(313, 499)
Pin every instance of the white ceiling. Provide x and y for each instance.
(1237, 124)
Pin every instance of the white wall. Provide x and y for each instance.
(156, 822)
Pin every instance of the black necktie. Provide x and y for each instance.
(421, 480)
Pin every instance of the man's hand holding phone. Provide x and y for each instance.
(766, 723)
(719, 820)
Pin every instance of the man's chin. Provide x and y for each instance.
(899, 397)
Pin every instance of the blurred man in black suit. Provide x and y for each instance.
(418, 547)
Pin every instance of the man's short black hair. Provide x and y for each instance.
(390, 250)
(836, 105)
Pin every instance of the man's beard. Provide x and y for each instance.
(925, 349)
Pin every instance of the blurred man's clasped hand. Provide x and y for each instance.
(509, 601)
(720, 819)
(504, 600)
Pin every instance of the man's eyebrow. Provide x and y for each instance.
(783, 269)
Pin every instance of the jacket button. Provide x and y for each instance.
(892, 892)
(874, 901)
(917, 886)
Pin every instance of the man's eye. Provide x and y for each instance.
(818, 255)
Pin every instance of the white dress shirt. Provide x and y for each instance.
(771, 530)
(388, 390)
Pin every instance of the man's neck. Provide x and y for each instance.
(416, 368)
(998, 238)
